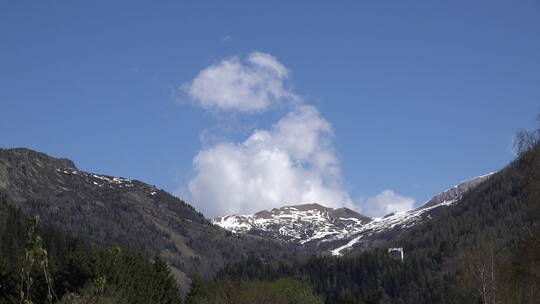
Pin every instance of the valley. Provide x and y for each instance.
(322, 245)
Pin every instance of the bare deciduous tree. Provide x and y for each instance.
(480, 265)
(525, 140)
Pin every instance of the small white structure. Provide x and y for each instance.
(396, 253)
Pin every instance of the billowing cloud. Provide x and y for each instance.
(248, 85)
(385, 202)
(293, 162)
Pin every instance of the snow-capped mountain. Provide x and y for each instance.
(302, 223)
(338, 230)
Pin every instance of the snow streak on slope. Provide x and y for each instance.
(396, 220)
(105, 181)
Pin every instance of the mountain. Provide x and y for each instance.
(451, 195)
(106, 211)
(341, 229)
(308, 224)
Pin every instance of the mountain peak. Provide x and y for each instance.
(305, 207)
(304, 223)
(21, 155)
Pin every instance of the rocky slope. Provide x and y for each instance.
(105, 210)
(338, 230)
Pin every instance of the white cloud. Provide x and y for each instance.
(269, 62)
(235, 85)
(293, 162)
(385, 202)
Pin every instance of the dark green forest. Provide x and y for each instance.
(484, 249)
(40, 265)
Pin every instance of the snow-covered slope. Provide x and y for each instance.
(302, 223)
(338, 230)
(390, 225)
(455, 192)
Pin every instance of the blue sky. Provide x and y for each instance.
(417, 96)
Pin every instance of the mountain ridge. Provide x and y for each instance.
(335, 230)
(113, 211)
